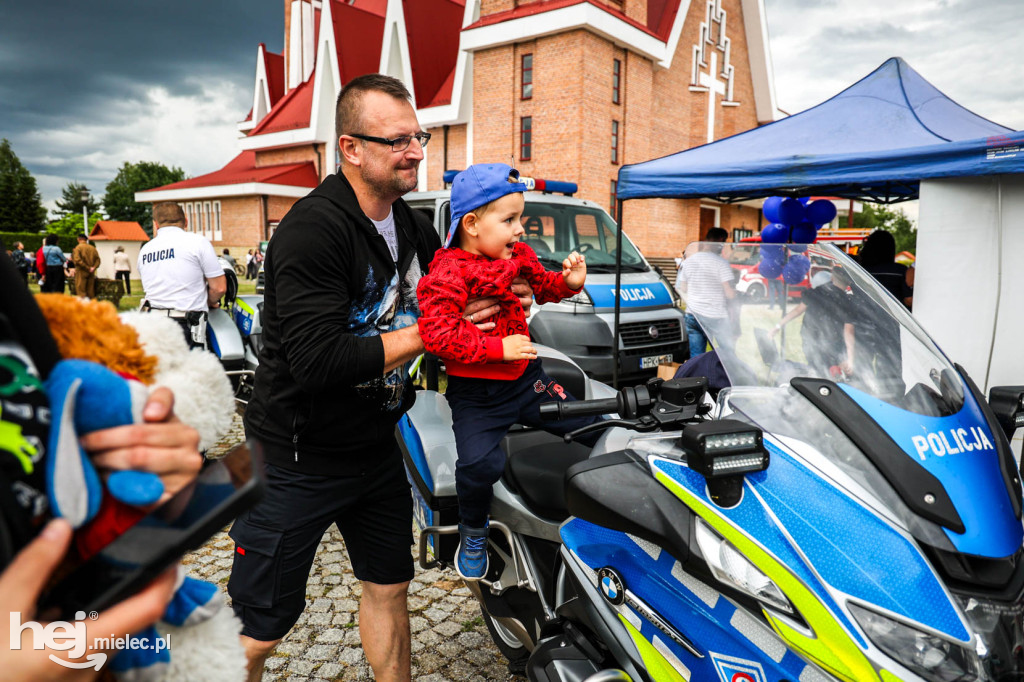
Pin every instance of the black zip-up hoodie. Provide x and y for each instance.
(322, 403)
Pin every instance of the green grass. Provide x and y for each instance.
(470, 625)
(135, 300)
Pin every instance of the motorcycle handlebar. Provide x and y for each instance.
(578, 408)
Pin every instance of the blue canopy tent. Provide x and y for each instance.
(874, 141)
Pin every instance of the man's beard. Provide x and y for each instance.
(392, 184)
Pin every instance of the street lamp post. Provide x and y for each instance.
(85, 211)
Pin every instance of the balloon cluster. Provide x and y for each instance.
(794, 222)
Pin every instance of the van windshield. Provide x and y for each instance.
(553, 231)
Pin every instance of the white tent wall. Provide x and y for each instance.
(970, 243)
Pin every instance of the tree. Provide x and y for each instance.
(71, 202)
(878, 217)
(21, 207)
(71, 224)
(136, 177)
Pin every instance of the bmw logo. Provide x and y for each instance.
(611, 585)
(653, 331)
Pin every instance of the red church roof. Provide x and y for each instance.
(661, 14)
(659, 22)
(243, 169)
(119, 231)
(291, 112)
(274, 64)
(432, 28)
(358, 32)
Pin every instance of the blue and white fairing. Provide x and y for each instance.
(850, 572)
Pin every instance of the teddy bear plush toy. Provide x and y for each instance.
(110, 364)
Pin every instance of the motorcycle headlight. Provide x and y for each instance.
(730, 567)
(579, 298)
(931, 657)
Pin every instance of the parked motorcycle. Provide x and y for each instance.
(234, 332)
(789, 525)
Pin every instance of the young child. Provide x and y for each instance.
(494, 377)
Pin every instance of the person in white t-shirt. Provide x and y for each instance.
(706, 282)
(180, 273)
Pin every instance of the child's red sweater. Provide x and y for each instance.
(456, 276)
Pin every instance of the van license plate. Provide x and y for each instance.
(652, 361)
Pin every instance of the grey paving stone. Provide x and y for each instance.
(330, 670)
(320, 605)
(322, 652)
(332, 636)
(321, 619)
(351, 656)
(291, 648)
(301, 665)
(448, 628)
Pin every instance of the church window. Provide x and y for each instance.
(525, 138)
(616, 80)
(217, 234)
(527, 90)
(615, 141)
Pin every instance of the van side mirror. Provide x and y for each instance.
(1007, 402)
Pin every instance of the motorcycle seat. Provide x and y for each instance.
(535, 466)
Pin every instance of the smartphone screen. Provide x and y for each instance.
(183, 523)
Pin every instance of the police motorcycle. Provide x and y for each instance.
(234, 333)
(793, 524)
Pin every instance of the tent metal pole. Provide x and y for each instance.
(618, 297)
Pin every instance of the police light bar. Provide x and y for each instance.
(566, 188)
(532, 184)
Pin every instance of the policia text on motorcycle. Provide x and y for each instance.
(180, 273)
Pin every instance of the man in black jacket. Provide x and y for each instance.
(339, 331)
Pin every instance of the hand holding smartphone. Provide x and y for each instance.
(183, 523)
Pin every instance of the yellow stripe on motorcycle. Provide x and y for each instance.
(656, 664)
(832, 648)
(242, 305)
(889, 677)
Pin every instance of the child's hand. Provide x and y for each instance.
(518, 347)
(574, 270)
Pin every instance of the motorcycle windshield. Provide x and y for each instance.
(825, 317)
(822, 316)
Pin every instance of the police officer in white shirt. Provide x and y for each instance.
(180, 273)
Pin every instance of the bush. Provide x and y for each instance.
(106, 290)
(33, 240)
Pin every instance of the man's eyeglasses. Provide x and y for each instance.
(398, 144)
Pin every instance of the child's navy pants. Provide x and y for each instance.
(482, 412)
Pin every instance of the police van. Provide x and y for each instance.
(651, 327)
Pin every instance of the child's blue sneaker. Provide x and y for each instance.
(471, 555)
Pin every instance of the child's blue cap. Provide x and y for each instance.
(481, 184)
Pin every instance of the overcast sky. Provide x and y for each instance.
(85, 86)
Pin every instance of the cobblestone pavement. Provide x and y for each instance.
(449, 639)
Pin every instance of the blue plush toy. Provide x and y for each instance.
(86, 397)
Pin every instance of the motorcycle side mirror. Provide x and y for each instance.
(724, 452)
(1007, 402)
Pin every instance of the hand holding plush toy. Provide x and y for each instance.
(105, 383)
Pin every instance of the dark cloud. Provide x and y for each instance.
(71, 64)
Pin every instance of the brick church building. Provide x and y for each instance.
(562, 89)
